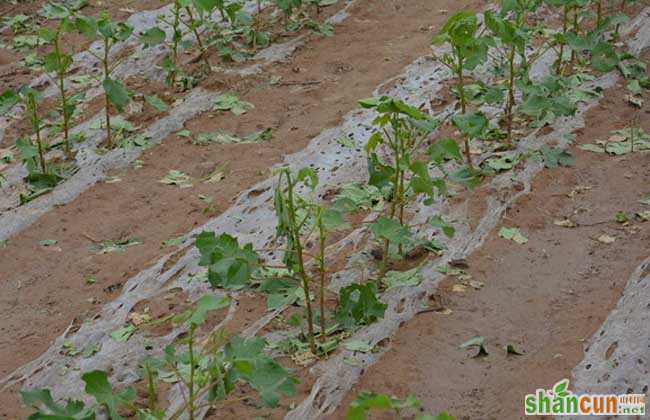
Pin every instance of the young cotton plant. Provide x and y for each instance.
(58, 62)
(298, 218)
(399, 167)
(207, 374)
(187, 15)
(468, 50)
(110, 33)
(509, 28)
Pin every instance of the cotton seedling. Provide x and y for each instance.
(291, 220)
(59, 63)
(468, 50)
(31, 99)
(207, 373)
(514, 39)
(110, 33)
(401, 132)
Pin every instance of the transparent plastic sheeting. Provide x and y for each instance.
(617, 357)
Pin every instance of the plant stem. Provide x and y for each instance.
(190, 398)
(599, 13)
(64, 98)
(511, 93)
(565, 27)
(36, 123)
(199, 42)
(618, 26)
(393, 204)
(176, 37)
(321, 267)
(295, 232)
(576, 29)
(152, 388)
(109, 139)
(463, 101)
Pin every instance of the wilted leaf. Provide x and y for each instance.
(232, 103)
(606, 239)
(511, 349)
(476, 341)
(513, 234)
(358, 345)
(123, 334)
(177, 178)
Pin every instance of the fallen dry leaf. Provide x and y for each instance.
(606, 239)
(567, 223)
(459, 288)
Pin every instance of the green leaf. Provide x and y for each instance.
(391, 230)
(8, 100)
(438, 222)
(554, 158)
(604, 57)
(251, 365)
(41, 399)
(153, 36)
(229, 265)
(471, 178)
(513, 234)
(117, 93)
(157, 103)
(48, 242)
(635, 87)
(503, 163)
(621, 217)
(358, 305)
(472, 125)
(366, 401)
(334, 220)
(362, 197)
(445, 149)
(205, 304)
(87, 25)
(98, 386)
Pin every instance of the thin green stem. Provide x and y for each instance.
(321, 268)
(463, 100)
(565, 27)
(191, 396)
(297, 244)
(107, 102)
(64, 99)
(511, 93)
(36, 124)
